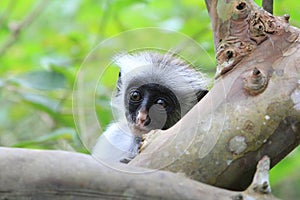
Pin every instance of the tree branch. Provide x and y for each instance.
(268, 5)
(252, 110)
(40, 174)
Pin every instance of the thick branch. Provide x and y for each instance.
(252, 110)
(34, 174)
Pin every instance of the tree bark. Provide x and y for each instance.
(40, 174)
(252, 110)
(268, 5)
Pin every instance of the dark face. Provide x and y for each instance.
(151, 106)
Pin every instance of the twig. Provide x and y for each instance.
(268, 5)
(6, 12)
(18, 27)
(103, 20)
(261, 182)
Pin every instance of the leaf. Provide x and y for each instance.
(62, 133)
(48, 62)
(41, 80)
(42, 102)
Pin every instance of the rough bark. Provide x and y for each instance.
(252, 110)
(34, 174)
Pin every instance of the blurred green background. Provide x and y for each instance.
(43, 43)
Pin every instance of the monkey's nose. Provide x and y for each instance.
(141, 118)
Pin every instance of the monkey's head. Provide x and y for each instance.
(151, 106)
(155, 90)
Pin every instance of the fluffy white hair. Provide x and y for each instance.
(165, 69)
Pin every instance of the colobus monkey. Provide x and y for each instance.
(154, 91)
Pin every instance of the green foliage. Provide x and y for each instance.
(39, 62)
(41, 80)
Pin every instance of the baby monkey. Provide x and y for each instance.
(154, 91)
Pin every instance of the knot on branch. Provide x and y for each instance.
(241, 11)
(286, 18)
(262, 23)
(257, 31)
(256, 82)
(238, 197)
(246, 29)
(230, 53)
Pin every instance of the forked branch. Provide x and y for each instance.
(252, 110)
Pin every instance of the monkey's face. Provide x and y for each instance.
(151, 106)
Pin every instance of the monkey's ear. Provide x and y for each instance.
(201, 93)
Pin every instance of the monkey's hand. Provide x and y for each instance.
(146, 139)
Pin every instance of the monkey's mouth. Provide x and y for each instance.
(139, 130)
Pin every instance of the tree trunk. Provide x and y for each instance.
(253, 110)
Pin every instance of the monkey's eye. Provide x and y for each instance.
(161, 102)
(135, 96)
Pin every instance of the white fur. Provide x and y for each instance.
(115, 144)
(166, 70)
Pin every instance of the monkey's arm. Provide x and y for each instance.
(116, 144)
